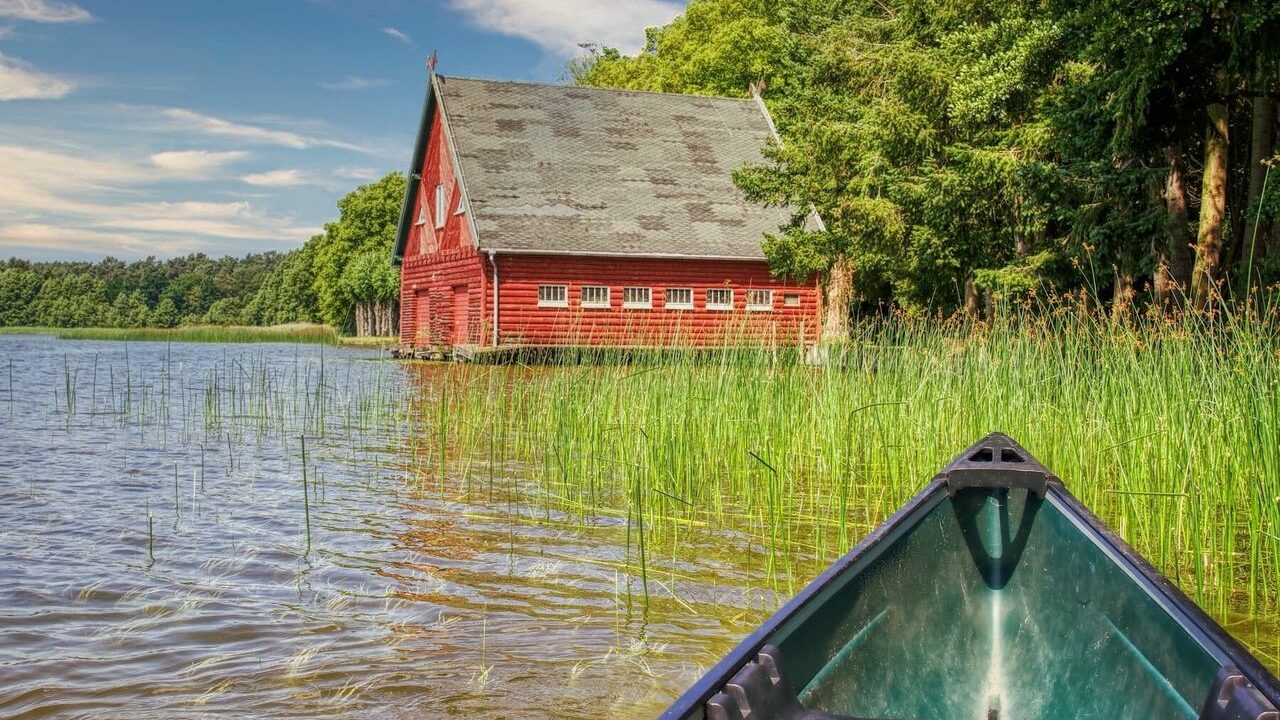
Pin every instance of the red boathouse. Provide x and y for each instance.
(554, 215)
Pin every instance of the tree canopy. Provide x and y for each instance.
(998, 146)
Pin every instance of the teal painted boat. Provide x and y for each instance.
(994, 594)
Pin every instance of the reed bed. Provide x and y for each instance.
(1170, 430)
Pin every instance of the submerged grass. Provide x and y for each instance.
(295, 333)
(1170, 431)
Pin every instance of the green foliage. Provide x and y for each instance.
(368, 276)
(18, 289)
(1022, 144)
(75, 300)
(716, 47)
(367, 222)
(166, 314)
(130, 310)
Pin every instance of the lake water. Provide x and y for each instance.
(154, 558)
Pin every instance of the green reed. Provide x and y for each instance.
(1170, 430)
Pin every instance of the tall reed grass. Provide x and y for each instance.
(1170, 430)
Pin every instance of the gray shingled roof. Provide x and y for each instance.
(585, 170)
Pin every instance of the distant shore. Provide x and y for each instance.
(293, 333)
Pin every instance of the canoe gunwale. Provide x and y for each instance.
(691, 703)
(1211, 636)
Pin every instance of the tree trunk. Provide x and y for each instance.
(1262, 147)
(838, 295)
(1213, 203)
(1173, 261)
(971, 299)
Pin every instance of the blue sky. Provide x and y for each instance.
(162, 127)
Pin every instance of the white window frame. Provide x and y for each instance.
(720, 306)
(646, 304)
(791, 300)
(441, 210)
(462, 205)
(596, 303)
(681, 305)
(758, 306)
(547, 296)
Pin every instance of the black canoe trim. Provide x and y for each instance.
(996, 461)
(692, 705)
(1211, 636)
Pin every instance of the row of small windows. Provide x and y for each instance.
(641, 298)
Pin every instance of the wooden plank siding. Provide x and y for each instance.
(522, 321)
(438, 260)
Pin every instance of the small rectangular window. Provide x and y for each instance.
(759, 300)
(462, 205)
(791, 300)
(553, 296)
(679, 298)
(595, 296)
(640, 298)
(719, 299)
(440, 208)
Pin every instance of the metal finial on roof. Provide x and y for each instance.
(432, 62)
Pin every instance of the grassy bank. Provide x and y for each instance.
(298, 333)
(1170, 432)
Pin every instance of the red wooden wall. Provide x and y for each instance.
(522, 321)
(441, 273)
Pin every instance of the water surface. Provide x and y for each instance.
(154, 555)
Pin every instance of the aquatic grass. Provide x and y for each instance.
(1169, 429)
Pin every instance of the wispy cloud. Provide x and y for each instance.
(355, 173)
(557, 26)
(352, 82)
(78, 202)
(20, 81)
(284, 177)
(43, 11)
(82, 240)
(182, 119)
(397, 35)
(195, 162)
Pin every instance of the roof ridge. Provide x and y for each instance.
(531, 83)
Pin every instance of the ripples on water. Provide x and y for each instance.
(153, 554)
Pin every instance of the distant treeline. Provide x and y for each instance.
(1006, 148)
(342, 277)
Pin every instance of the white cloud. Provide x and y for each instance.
(184, 120)
(558, 26)
(42, 236)
(43, 11)
(277, 178)
(20, 81)
(355, 173)
(195, 162)
(52, 201)
(397, 35)
(352, 82)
